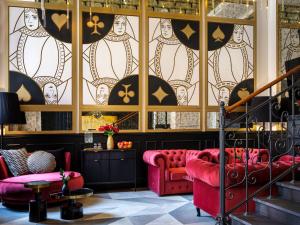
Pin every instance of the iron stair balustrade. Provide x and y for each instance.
(223, 217)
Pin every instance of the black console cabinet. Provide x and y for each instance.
(109, 167)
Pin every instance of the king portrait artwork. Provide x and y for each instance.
(110, 58)
(40, 56)
(230, 59)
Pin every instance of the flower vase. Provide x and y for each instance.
(110, 142)
(65, 189)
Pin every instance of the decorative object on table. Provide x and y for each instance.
(65, 179)
(98, 146)
(38, 206)
(73, 209)
(109, 130)
(124, 144)
(88, 136)
(10, 111)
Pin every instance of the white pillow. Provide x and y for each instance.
(41, 162)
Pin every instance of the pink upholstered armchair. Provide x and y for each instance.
(13, 192)
(166, 170)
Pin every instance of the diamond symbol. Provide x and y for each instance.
(160, 94)
(188, 31)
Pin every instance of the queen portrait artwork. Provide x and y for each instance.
(174, 62)
(40, 56)
(290, 42)
(109, 60)
(223, 74)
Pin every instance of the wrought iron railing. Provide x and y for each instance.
(281, 108)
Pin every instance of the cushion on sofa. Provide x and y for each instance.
(41, 162)
(59, 155)
(177, 173)
(16, 161)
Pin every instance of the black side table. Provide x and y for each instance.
(38, 206)
(73, 209)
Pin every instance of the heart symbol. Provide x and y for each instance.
(59, 20)
(23, 94)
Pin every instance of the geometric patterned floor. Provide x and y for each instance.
(123, 208)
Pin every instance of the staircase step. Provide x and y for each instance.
(252, 219)
(278, 209)
(289, 191)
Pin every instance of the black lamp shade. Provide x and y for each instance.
(262, 113)
(10, 109)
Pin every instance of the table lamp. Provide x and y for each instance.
(10, 111)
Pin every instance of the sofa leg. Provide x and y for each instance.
(198, 212)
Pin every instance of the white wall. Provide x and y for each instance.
(266, 43)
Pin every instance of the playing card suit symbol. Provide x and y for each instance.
(126, 95)
(243, 93)
(23, 94)
(59, 20)
(218, 35)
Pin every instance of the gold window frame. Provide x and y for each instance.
(143, 108)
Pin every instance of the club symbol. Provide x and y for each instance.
(126, 95)
(96, 23)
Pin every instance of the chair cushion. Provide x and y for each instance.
(178, 173)
(16, 161)
(41, 162)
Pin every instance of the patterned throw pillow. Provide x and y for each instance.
(41, 162)
(16, 161)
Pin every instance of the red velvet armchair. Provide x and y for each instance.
(207, 182)
(13, 192)
(166, 170)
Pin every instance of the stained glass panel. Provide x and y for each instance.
(124, 120)
(40, 56)
(230, 60)
(236, 9)
(45, 121)
(174, 120)
(110, 59)
(173, 62)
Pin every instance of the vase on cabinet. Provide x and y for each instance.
(110, 142)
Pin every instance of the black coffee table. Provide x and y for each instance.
(38, 206)
(72, 209)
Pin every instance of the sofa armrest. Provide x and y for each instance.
(151, 157)
(4, 172)
(67, 161)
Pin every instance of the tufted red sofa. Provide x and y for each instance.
(166, 169)
(207, 180)
(12, 190)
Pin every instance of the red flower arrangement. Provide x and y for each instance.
(110, 129)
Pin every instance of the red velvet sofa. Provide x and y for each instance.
(166, 170)
(13, 192)
(206, 182)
